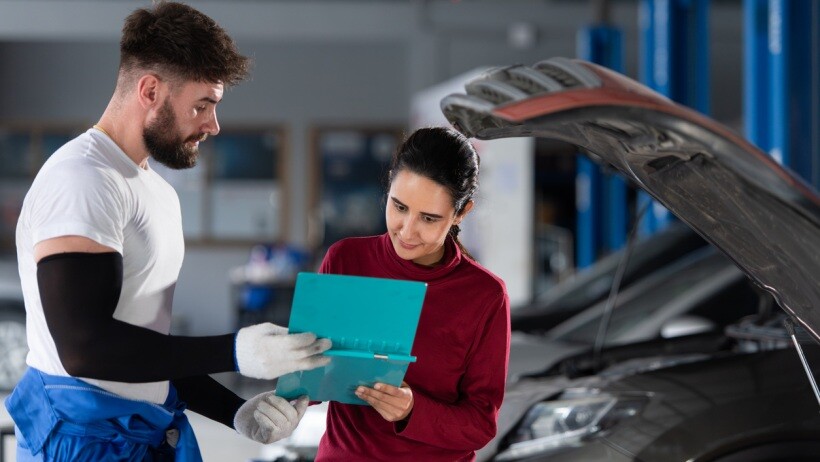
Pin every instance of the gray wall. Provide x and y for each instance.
(316, 63)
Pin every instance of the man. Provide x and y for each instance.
(100, 246)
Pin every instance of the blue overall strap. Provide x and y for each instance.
(48, 409)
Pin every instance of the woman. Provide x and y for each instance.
(447, 407)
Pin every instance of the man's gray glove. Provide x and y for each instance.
(266, 351)
(267, 418)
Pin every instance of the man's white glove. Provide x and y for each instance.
(267, 418)
(266, 351)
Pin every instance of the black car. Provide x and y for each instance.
(743, 394)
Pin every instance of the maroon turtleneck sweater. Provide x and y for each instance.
(462, 345)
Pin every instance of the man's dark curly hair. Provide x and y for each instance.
(180, 43)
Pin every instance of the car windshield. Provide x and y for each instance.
(687, 287)
(593, 284)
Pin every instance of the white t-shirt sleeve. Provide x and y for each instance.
(84, 201)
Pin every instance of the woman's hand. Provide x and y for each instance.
(393, 403)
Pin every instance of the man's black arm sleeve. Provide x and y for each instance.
(206, 396)
(79, 293)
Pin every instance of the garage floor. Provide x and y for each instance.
(216, 441)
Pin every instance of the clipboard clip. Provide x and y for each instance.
(371, 355)
(394, 357)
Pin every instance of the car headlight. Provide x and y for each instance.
(554, 425)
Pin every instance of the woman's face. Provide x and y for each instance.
(419, 214)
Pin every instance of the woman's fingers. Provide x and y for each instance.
(392, 403)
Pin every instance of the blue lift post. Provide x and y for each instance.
(587, 189)
(601, 198)
(756, 70)
(674, 62)
(782, 82)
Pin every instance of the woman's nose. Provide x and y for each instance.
(408, 227)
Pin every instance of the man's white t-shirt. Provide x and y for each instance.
(91, 188)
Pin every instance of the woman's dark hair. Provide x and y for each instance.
(180, 43)
(446, 157)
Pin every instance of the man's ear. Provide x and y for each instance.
(148, 89)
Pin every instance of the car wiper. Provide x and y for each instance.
(616, 286)
(789, 324)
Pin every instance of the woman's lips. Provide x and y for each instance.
(406, 245)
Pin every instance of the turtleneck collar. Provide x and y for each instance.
(406, 269)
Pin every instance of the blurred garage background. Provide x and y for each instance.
(335, 85)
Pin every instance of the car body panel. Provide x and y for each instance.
(531, 353)
(765, 218)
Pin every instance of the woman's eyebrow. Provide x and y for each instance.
(431, 215)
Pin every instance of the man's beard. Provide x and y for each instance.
(165, 145)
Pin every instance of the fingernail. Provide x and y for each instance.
(378, 386)
(359, 391)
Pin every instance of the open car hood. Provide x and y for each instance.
(758, 213)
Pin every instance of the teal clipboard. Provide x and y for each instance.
(372, 323)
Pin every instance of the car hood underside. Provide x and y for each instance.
(758, 213)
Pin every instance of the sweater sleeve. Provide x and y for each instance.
(469, 422)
